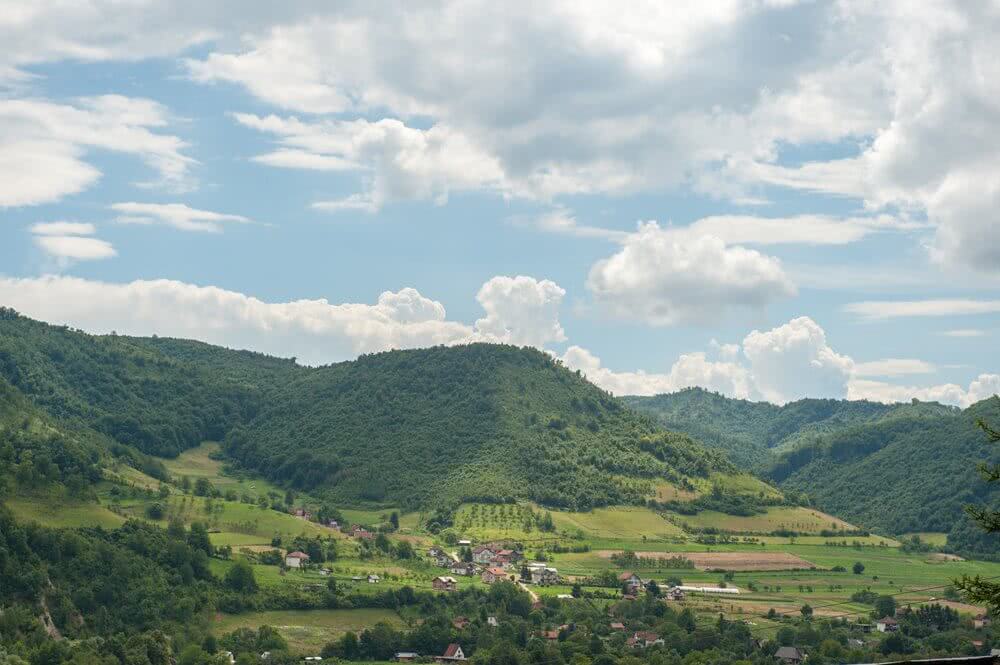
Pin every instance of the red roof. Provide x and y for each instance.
(617, 626)
(297, 555)
(451, 650)
(627, 575)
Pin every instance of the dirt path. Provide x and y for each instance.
(534, 596)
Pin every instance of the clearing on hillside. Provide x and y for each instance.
(619, 522)
(801, 520)
(307, 631)
(739, 561)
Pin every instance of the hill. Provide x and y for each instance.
(749, 432)
(412, 428)
(477, 422)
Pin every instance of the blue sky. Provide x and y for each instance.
(750, 197)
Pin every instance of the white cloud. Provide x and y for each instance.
(794, 361)
(964, 333)
(891, 309)
(690, 369)
(894, 367)
(398, 162)
(800, 229)
(983, 387)
(521, 310)
(561, 220)
(67, 242)
(177, 215)
(663, 278)
(43, 145)
(63, 229)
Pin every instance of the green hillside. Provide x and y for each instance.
(749, 432)
(411, 428)
(477, 422)
(902, 474)
(161, 396)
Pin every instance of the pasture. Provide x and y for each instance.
(307, 630)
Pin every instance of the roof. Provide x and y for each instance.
(494, 570)
(788, 652)
(617, 625)
(452, 650)
(296, 555)
(889, 621)
(406, 654)
(647, 636)
(445, 579)
(627, 575)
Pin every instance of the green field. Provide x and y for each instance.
(803, 520)
(623, 522)
(63, 514)
(307, 630)
(197, 463)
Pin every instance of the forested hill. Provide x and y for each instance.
(423, 427)
(480, 421)
(902, 474)
(161, 396)
(750, 432)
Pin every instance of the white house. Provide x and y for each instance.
(296, 559)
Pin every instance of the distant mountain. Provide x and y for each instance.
(412, 428)
(750, 432)
(896, 468)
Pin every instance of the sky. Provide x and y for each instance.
(772, 199)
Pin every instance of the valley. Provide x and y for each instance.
(320, 505)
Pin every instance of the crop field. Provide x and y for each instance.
(803, 520)
(621, 522)
(307, 630)
(735, 561)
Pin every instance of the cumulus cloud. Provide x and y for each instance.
(521, 310)
(68, 242)
(397, 162)
(43, 145)
(983, 387)
(177, 215)
(663, 278)
(894, 367)
(690, 369)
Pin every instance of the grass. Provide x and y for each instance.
(63, 514)
(803, 520)
(622, 522)
(307, 630)
(197, 463)
(930, 537)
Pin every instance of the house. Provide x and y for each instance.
(362, 533)
(981, 621)
(504, 557)
(630, 580)
(296, 559)
(452, 653)
(444, 584)
(673, 593)
(493, 574)
(549, 634)
(483, 554)
(373, 578)
(460, 623)
(644, 638)
(406, 656)
(299, 512)
(618, 626)
(333, 524)
(887, 625)
(542, 574)
(463, 568)
(790, 655)
(492, 621)
(229, 657)
(464, 543)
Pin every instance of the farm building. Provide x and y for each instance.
(373, 578)
(790, 655)
(483, 554)
(406, 656)
(886, 625)
(542, 574)
(296, 559)
(444, 584)
(463, 568)
(981, 621)
(630, 579)
(644, 638)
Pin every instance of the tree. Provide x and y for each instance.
(885, 606)
(858, 567)
(155, 511)
(977, 589)
(806, 611)
(241, 578)
(198, 539)
(394, 520)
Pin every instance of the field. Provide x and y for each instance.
(60, 514)
(803, 520)
(623, 522)
(307, 630)
(735, 561)
(198, 463)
